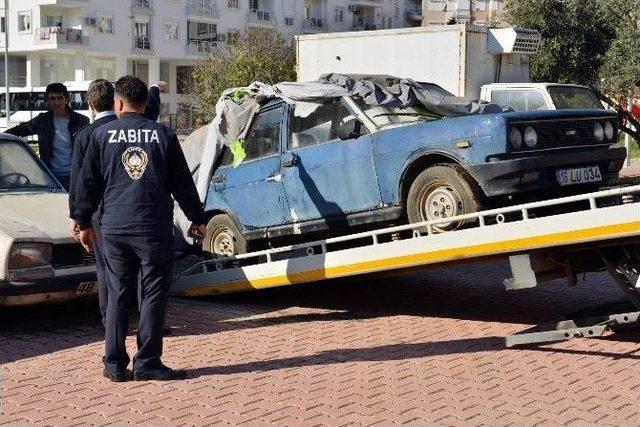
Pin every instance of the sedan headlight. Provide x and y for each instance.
(530, 137)
(515, 137)
(598, 132)
(609, 130)
(28, 255)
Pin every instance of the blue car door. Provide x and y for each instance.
(253, 191)
(324, 176)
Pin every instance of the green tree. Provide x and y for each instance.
(576, 37)
(621, 67)
(256, 55)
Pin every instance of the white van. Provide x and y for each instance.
(28, 102)
(541, 96)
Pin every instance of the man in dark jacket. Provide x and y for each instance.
(132, 168)
(100, 99)
(55, 129)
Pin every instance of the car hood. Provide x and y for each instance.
(35, 216)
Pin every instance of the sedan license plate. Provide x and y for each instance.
(86, 288)
(578, 176)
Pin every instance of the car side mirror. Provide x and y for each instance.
(350, 129)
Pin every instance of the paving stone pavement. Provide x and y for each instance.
(419, 349)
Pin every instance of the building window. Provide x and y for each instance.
(24, 21)
(201, 31)
(339, 15)
(104, 24)
(184, 79)
(233, 37)
(2, 24)
(101, 68)
(54, 21)
(232, 4)
(171, 31)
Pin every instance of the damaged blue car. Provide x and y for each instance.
(349, 164)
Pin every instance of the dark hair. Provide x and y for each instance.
(133, 90)
(57, 88)
(100, 95)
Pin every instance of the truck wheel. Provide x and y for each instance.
(443, 191)
(223, 237)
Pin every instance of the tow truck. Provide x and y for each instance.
(543, 241)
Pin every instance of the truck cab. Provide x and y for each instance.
(541, 96)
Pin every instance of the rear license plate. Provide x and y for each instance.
(86, 288)
(578, 176)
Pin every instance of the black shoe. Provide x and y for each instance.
(118, 377)
(160, 374)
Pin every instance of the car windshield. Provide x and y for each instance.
(574, 98)
(20, 170)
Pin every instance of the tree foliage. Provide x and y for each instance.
(257, 55)
(576, 36)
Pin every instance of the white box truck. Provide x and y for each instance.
(460, 58)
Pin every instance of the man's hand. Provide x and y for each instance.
(87, 237)
(74, 230)
(197, 232)
(162, 86)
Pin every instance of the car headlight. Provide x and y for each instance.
(28, 255)
(530, 137)
(609, 130)
(515, 137)
(598, 132)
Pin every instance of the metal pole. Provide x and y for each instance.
(6, 60)
(627, 137)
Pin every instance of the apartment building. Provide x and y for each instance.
(80, 40)
(478, 12)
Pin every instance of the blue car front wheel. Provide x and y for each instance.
(440, 192)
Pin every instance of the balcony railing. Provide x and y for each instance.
(141, 6)
(199, 47)
(314, 24)
(203, 8)
(142, 43)
(257, 16)
(59, 35)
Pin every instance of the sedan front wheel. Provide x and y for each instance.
(223, 237)
(440, 192)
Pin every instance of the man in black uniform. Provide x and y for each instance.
(100, 99)
(132, 168)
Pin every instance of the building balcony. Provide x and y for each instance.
(203, 47)
(63, 3)
(142, 45)
(141, 7)
(314, 25)
(264, 18)
(203, 8)
(365, 3)
(59, 36)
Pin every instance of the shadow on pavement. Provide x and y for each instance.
(471, 292)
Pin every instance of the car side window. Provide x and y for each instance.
(320, 126)
(226, 156)
(519, 100)
(263, 138)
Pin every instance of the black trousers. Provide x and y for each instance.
(126, 257)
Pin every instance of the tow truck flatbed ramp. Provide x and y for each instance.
(600, 219)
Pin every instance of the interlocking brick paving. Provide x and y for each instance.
(419, 348)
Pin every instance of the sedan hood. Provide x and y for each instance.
(35, 216)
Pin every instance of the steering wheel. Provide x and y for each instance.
(15, 178)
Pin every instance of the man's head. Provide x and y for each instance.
(131, 95)
(57, 97)
(100, 95)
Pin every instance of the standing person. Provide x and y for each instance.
(100, 97)
(132, 168)
(55, 129)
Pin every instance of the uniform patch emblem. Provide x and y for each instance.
(135, 162)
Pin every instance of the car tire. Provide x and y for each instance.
(441, 191)
(223, 237)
